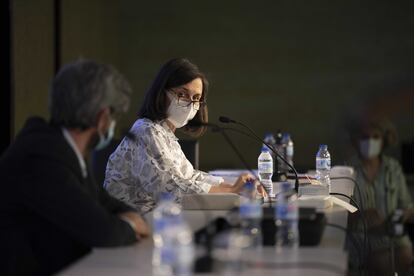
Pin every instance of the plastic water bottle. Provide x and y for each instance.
(251, 215)
(287, 215)
(265, 170)
(173, 252)
(288, 151)
(323, 167)
(184, 250)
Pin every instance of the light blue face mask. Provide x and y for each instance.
(104, 140)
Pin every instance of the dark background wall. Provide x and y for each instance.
(5, 76)
(32, 57)
(301, 66)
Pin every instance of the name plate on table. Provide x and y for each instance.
(215, 201)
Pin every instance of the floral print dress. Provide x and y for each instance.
(151, 162)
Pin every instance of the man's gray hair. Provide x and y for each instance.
(82, 89)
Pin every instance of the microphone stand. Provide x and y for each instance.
(228, 120)
(216, 128)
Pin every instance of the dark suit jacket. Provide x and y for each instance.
(49, 214)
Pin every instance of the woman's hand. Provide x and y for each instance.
(232, 188)
(260, 190)
(241, 181)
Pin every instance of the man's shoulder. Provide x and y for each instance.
(37, 143)
(37, 131)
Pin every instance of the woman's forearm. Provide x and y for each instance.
(222, 188)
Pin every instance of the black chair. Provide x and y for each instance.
(191, 151)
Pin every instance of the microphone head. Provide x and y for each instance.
(226, 120)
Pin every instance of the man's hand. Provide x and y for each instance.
(137, 223)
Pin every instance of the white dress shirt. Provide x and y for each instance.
(72, 144)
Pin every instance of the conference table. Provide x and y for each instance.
(329, 257)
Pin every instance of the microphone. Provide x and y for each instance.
(213, 127)
(222, 130)
(205, 263)
(227, 120)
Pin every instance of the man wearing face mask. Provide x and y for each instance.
(52, 212)
(152, 161)
(383, 190)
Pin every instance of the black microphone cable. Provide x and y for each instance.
(228, 120)
(222, 130)
(364, 224)
(350, 236)
(355, 184)
(361, 204)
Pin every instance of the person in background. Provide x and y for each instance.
(150, 160)
(52, 212)
(383, 191)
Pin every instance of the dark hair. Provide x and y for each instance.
(82, 89)
(174, 73)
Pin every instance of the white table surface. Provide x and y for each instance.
(328, 258)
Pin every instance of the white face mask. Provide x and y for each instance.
(179, 115)
(370, 148)
(105, 140)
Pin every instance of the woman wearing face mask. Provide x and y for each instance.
(383, 190)
(151, 161)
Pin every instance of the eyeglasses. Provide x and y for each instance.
(184, 100)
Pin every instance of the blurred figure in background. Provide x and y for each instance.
(52, 212)
(383, 191)
(151, 161)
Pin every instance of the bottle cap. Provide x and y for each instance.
(323, 147)
(265, 149)
(285, 137)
